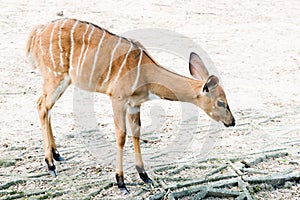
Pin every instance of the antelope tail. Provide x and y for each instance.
(29, 45)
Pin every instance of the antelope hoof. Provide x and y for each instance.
(53, 173)
(121, 184)
(124, 190)
(51, 168)
(57, 156)
(145, 178)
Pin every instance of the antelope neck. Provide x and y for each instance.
(171, 86)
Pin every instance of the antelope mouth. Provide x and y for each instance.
(231, 124)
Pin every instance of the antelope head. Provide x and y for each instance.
(211, 96)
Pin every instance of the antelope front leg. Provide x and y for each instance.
(135, 124)
(120, 126)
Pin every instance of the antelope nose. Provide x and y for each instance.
(233, 122)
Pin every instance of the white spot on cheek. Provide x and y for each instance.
(210, 113)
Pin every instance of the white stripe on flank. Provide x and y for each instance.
(72, 45)
(123, 63)
(60, 46)
(82, 49)
(138, 71)
(111, 61)
(96, 58)
(51, 46)
(86, 50)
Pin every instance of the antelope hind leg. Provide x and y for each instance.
(52, 90)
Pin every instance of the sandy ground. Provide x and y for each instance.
(254, 45)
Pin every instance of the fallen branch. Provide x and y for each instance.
(254, 171)
(216, 171)
(235, 169)
(186, 184)
(158, 196)
(268, 151)
(38, 175)
(222, 177)
(274, 180)
(255, 161)
(241, 185)
(230, 182)
(222, 193)
(176, 179)
(163, 184)
(6, 192)
(14, 196)
(164, 168)
(184, 193)
(200, 195)
(178, 170)
(11, 183)
(97, 191)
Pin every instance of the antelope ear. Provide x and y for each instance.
(197, 67)
(211, 83)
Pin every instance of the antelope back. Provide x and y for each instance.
(94, 58)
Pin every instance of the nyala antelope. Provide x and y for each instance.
(69, 51)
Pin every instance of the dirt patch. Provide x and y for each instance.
(255, 47)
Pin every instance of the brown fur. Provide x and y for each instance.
(67, 51)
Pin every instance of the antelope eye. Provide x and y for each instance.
(221, 103)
